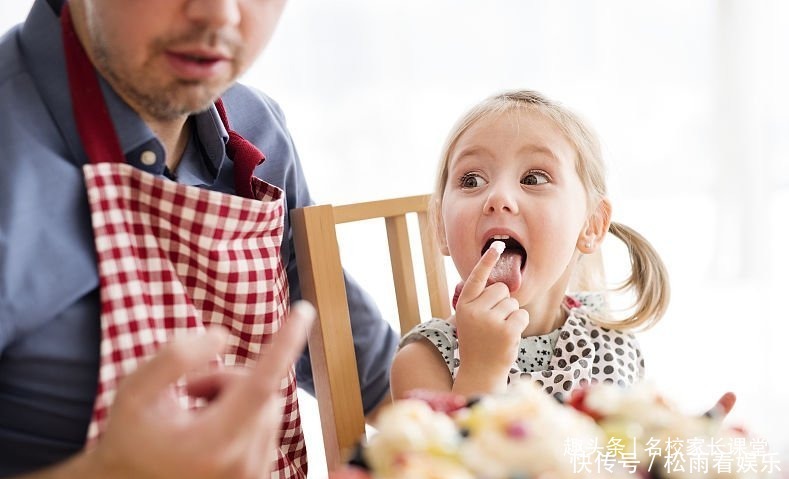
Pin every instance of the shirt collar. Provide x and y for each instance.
(208, 141)
(212, 136)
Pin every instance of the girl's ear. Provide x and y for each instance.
(596, 227)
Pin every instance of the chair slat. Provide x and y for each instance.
(379, 209)
(434, 269)
(403, 272)
(331, 340)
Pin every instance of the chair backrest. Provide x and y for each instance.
(321, 277)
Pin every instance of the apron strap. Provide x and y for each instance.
(245, 155)
(93, 120)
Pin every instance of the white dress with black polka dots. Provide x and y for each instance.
(562, 360)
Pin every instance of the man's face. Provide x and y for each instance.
(170, 58)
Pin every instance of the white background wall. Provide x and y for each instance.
(689, 98)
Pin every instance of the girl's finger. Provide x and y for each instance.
(478, 279)
(518, 320)
(505, 307)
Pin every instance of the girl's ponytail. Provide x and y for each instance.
(648, 280)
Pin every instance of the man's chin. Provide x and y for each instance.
(194, 98)
(181, 103)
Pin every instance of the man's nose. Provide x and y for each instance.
(216, 13)
(502, 199)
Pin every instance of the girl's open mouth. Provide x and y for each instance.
(508, 269)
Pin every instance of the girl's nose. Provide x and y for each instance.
(217, 13)
(501, 200)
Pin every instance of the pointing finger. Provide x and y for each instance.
(249, 396)
(478, 279)
(275, 362)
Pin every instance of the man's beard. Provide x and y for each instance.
(163, 103)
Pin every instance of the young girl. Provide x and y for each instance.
(521, 208)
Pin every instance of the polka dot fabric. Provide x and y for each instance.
(577, 353)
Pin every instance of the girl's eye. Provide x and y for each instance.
(535, 178)
(471, 180)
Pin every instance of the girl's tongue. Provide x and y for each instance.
(507, 270)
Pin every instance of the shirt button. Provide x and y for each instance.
(148, 158)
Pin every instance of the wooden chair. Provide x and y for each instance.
(330, 342)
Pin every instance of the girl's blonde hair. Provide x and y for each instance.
(648, 279)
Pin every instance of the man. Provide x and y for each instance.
(94, 280)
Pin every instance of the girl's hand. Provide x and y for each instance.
(489, 325)
(723, 407)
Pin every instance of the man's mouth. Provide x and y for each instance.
(200, 59)
(197, 64)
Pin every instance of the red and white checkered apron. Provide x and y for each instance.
(174, 258)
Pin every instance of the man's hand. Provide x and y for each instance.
(150, 436)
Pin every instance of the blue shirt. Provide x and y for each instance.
(49, 300)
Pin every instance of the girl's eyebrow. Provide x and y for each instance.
(533, 149)
(469, 151)
(541, 150)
